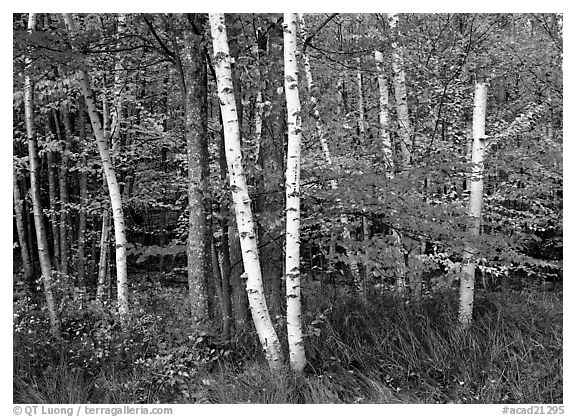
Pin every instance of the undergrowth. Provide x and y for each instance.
(384, 351)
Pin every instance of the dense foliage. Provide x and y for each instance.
(357, 217)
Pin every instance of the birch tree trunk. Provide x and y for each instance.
(20, 228)
(400, 93)
(113, 188)
(103, 262)
(64, 195)
(361, 117)
(42, 241)
(81, 262)
(384, 116)
(313, 100)
(230, 292)
(474, 206)
(117, 89)
(52, 198)
(293, 288)
(244, 218)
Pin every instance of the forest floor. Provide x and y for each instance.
(384, 351)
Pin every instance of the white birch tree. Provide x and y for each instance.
(293, 288)
(474, 205)
(42, 240)
(242, 203)
(22, 241)
(400, 93)
(113, 186)
(313, 99)
(383, 115)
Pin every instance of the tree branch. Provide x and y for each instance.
(318, 29)
(157, 37)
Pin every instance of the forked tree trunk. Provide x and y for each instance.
(400, 93)
(113, 188)
(474, 206)
(42, 241)
(293, 298)
(242, 203)
(20, 228)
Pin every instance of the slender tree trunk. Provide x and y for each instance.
(234, 289)
(311, 91)
(293, 288)
(309, 82)
(387, 150)
(42, 241)
(118, 88)
(270, 181)
(196, 111)
(52, 198)
(217, 274)
(29, 223)
(469, 141)
(361, 117)
(81, 262)
(258, 124)
(113, 188)
(22, 241)
(232, 312)
(103, 262)
(474, 206)
(93, 254)
(400, 93)
(226, 294)
(65, 218)
(242, 203)
(400, 264)
(240, 303)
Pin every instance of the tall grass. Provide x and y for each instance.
(384, 351)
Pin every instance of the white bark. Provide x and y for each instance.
(293, 298)
(244, 218)
(22, 241)
(118, 87)
(42, 241)
(400, 93)
(474, 205)
(113, 187)
(258, 124)
(103, 263)
(361, 117)
(400, 264)
(384, 113)
(313, 98)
